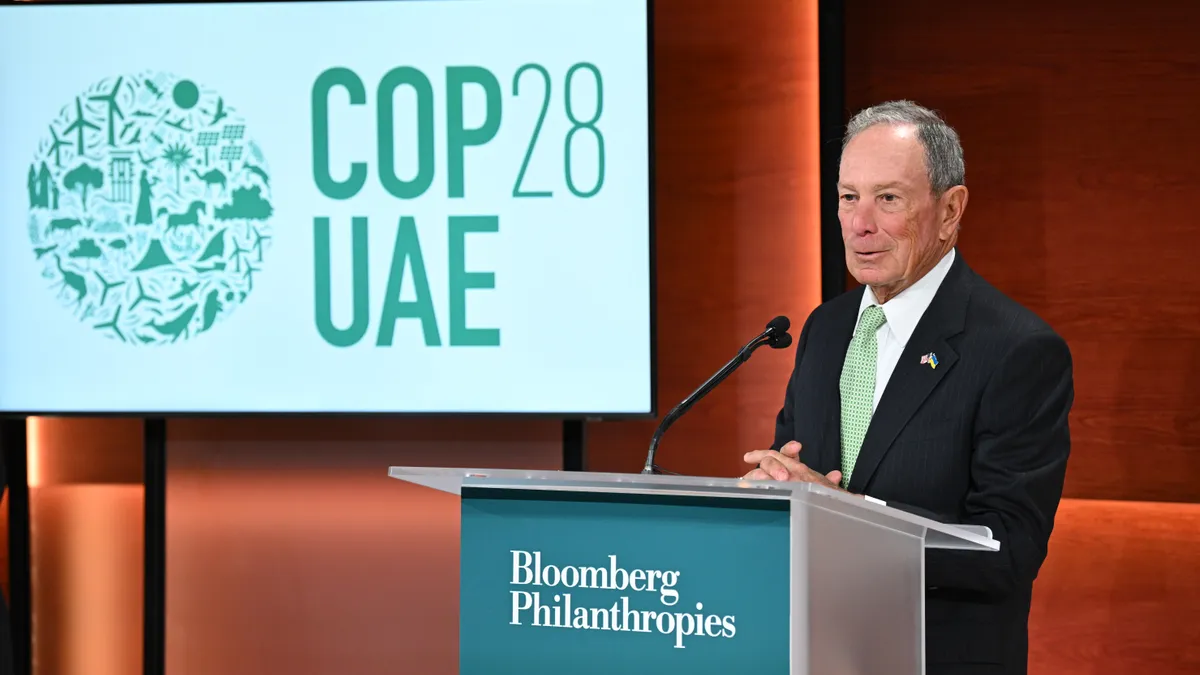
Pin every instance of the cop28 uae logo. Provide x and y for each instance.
(149, 208)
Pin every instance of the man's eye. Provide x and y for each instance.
(888, 197)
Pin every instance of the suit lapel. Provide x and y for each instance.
(912, 381)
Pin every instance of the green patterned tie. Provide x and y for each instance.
(858, 387)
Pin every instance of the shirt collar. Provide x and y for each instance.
(905, 310)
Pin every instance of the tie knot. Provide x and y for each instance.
(872, 318)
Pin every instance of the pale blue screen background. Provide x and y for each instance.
(572, 275)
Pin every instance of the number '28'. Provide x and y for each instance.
(578, 125)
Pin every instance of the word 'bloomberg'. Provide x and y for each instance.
(527, 569)
(458, 136)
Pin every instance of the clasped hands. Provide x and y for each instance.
(785, 465)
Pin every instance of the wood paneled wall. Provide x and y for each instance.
(289, 550)
(1119, 593)
(1075, 116)
(86, 545)
(738, 223)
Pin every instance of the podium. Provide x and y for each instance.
(580, 572)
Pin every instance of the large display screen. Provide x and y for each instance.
(421, 206)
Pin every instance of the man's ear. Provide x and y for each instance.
(951, 207)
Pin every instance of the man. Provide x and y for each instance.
(930, 390)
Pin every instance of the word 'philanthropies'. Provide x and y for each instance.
(532, 607)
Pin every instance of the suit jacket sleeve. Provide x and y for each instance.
(785, 426)
(1017, 469)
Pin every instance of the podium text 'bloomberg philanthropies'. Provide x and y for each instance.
(557, 608)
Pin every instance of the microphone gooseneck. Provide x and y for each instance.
(775, 335)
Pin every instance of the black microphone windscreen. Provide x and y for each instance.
(779, 324)
(781, 341)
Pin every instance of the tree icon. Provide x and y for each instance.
(82, 178)
(178, 155)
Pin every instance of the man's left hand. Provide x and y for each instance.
(785, 465)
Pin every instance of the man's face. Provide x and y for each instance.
(893, 228)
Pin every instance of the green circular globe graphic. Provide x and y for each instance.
(150, 208)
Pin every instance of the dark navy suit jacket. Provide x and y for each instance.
(980, 439)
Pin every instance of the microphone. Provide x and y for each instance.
(775, 335)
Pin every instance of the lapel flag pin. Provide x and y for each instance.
(931, 359)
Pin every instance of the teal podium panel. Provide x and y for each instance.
(578, 572)
(621, 583)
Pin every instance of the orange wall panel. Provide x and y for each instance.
(86, 535)
(737, 223)
(87, 553)
(1119, 593)
(1072, 119)
(290, 550)
(1078, 148)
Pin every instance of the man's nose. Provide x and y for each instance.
(862, 219)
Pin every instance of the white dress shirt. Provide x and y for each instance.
(902, 312)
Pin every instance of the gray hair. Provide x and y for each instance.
(943, 152)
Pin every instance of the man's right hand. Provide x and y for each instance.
(785, 465)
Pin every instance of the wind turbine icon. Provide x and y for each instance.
(80, 125)
(114, 110)
(56, 146)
